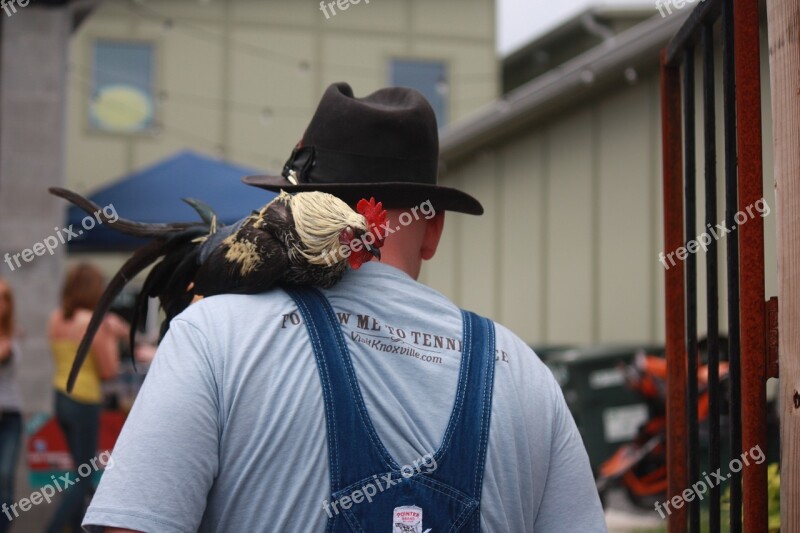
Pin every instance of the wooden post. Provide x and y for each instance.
(784, 59)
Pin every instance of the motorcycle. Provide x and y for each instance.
(640, 466)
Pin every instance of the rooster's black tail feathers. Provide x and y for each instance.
(179, 245)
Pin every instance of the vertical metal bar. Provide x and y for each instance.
(690, 228)
(751, 257)
(712, 274)
(731, 205)
(677, 478)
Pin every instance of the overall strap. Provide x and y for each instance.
(462, 456)
(353, 444)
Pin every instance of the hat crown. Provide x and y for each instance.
(385, 145)
(389, 136)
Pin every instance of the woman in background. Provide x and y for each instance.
(10, 403)
(78, 413)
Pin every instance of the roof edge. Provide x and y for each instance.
(505, 115)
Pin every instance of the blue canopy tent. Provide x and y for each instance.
(154, 195)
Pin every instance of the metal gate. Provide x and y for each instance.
(751, 355)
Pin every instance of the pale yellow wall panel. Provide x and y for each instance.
(191, 66)
(361, 61)
(656, 201)
(270, 73)
(149, 152)
(626, 253)
(479, 250)
(199, 127)
(375, 16)
(272, 99)
(466, 18)
(520, 238)
(770, 235)
(569, 230)
(94, 162)
(276, 12)
(110, 10)
(91, 159)
(264, 146)
(187, 10)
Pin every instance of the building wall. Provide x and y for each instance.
(567, 251)
(221, 63)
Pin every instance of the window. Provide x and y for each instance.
(123, 86)
(428, 77)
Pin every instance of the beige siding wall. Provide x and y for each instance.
(567, 251)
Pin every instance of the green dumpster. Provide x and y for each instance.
(606, 411)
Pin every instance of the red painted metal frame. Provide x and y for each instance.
(677, 371)
(751, 259)
(753, 311)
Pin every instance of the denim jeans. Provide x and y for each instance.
(81, 425)
(10, 433)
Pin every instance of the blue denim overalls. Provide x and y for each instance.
(370, 491)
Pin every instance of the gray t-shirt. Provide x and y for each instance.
(10, 398)
(228, 431)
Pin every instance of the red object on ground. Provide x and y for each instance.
(47, 449)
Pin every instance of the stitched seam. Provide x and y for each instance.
(333, 452)
(423, 479)
(371, 479)
(462, 518)
(447, 490)
(486, 407)
(455, 416)
(156, 519)
(348, 515)
(355, 389)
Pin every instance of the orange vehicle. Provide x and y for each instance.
(640, 465)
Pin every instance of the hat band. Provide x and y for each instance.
(318, 165)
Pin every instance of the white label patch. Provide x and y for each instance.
(407, 519)
(622, 423)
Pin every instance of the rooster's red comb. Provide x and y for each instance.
(375, 215)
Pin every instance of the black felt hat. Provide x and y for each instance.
(384, 145)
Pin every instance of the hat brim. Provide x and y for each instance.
(394, 195)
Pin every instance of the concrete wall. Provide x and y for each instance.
(32, 103)
(567, 251)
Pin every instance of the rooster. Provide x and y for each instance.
(308, 238)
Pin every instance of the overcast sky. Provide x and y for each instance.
(519, 21)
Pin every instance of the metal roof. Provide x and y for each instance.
(613, 63)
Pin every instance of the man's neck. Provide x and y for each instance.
(410, 266)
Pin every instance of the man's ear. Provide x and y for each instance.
(433, 232)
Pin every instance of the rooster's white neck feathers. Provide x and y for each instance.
(319, 218)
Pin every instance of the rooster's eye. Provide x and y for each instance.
(346, 235)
